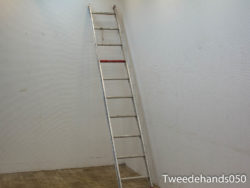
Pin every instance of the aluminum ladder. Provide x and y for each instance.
(106, 98)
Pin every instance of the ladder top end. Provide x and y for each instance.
(89, 7)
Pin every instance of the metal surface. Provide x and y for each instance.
(109, 117)
(109, 44)
(105, 28)
(134, 101)
(127, 136)
(131, 156)
(122, 116)
(120, 97)
(104, 13)
(115, 78)
(106, 107)
(134, 178)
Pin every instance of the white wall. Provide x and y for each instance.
(51, 106)
(192, 63)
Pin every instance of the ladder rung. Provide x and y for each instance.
(119, 97)
(132, 156)
(115, 78)
(106, 28)
(109, 44)
(134, 178)
(122, 116)
(112, 61)
(104, 13)
(127, 136)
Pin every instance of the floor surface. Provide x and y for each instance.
(92, 177)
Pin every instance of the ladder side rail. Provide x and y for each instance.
(106, 104)
(134, 101)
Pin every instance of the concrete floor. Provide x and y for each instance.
(92, 177)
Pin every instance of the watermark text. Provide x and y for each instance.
(232, 178)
